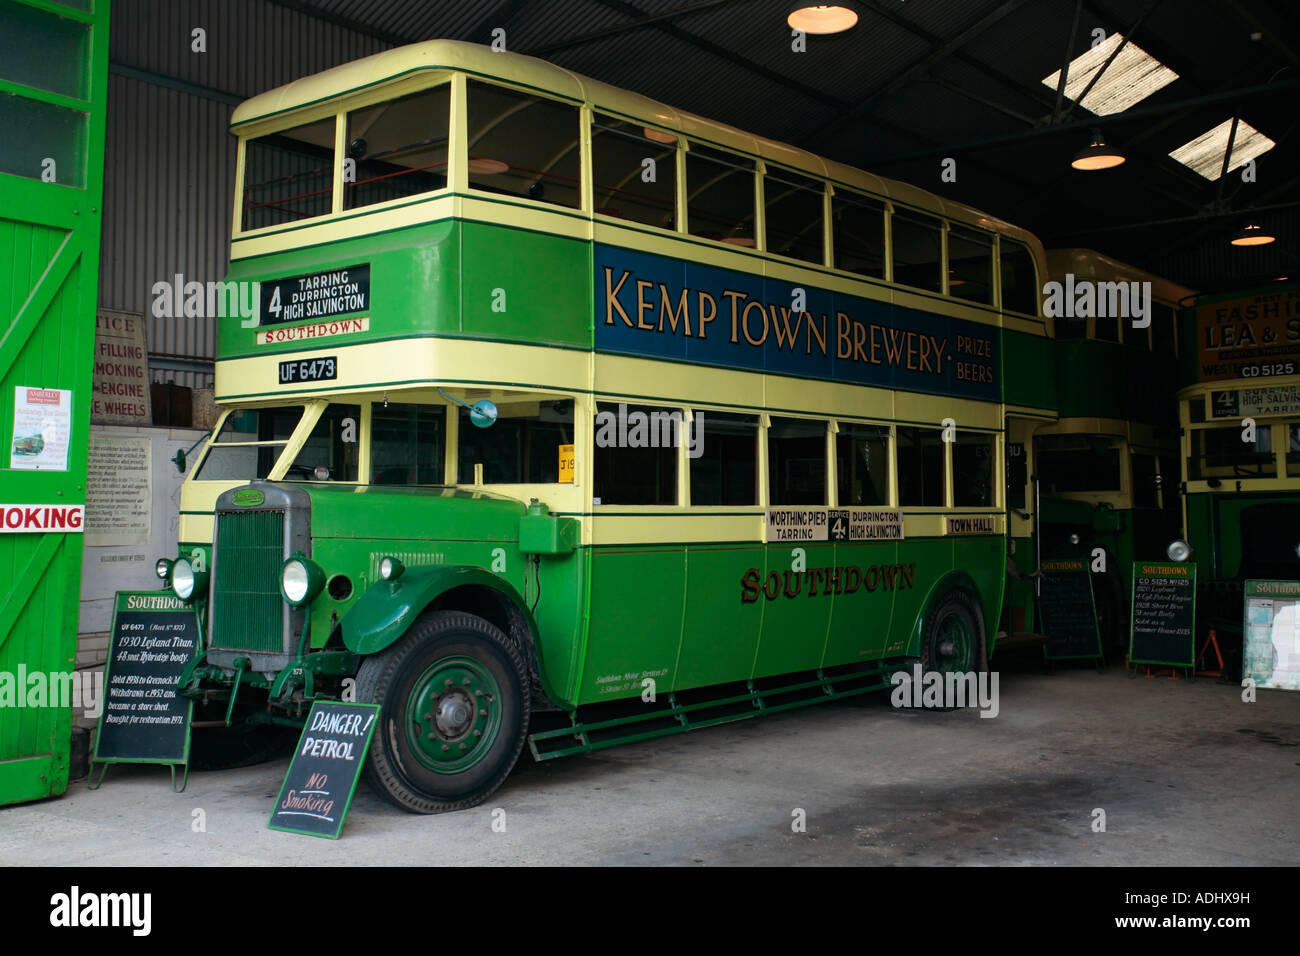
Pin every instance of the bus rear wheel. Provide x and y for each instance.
(454, 699)
(953, 640)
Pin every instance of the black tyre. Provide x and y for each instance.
(454, 699)
(953, 637)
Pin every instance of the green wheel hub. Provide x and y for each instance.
(953, 645)
(453, 714)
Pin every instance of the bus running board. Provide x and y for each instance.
(598, 726)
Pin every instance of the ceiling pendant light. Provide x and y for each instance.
(822, 17)
(1252, 234)
(1097, 155)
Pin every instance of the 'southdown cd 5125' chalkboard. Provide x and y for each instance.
(155, 635)
(317, 791)
(1164, 613)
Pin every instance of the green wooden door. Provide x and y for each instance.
(53, 85)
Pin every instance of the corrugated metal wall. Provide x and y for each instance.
(170, 160)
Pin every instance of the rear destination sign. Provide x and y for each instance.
(316, 296)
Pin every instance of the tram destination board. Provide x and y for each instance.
(1069, 617)
(1163, 614)
(322, 777)
(145, 720)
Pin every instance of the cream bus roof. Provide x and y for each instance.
(1090, 264)
(529, 71)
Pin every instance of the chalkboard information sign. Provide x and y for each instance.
(317, 791)
(1069, 618)
(154, 636)
(1164, 611)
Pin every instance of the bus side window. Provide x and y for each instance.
(720, 187)
(521, 447)
(918, 258)
(1019, 280)
(725, 470)
(862, 464)
(525, 146)
(859, 234)
(635, 458)
(920, 467)
(400, 147)
(970, 265)
(794, 213)
(407, 444)
(972, 470)
(796, 461)
(624, 185)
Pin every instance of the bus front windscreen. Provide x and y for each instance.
(248, 443)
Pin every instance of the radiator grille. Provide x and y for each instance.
(247, 610)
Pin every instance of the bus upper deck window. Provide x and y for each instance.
(1163, 318)
(862, 464)
(521, 447)
(724, 460)
(920, 467)
(720, 190)
(522, 145)
(1019, 280)
(970, 265)
(1106, 327)
(918, 259)
(400, 147)
(634, 461)
(972, 470)
(407, 444)
(796, 461)
(859, 234)
(795, 212)
(289, 175)
(623, 185)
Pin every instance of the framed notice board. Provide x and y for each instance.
(1069, 615)
(322, 778)
(154, 637)
(1272, 634)
(1163, 614)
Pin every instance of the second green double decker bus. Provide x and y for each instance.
(568, 419)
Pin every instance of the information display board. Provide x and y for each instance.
(317, 791)
(1163, 614)
(154, 637)
(1272, 634)
(1068, 612)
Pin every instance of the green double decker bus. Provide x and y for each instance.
(1239, 409)
(568, 419)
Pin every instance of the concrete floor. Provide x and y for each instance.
(1187, 775)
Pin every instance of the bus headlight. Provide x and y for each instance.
(1178, 550)
(163, 568)
(187, 583)
(300, 580)
(1074, 539)
(390, 569)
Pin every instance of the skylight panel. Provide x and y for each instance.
(1133, 77)
(1205, 153)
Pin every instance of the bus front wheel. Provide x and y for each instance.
(454, 699)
